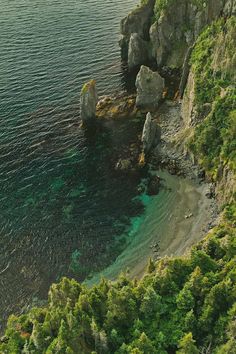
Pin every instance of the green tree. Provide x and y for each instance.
(151, 266)
(187, 345)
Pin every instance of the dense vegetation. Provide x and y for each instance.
(162, 5)
(213, 65)
(183, 305)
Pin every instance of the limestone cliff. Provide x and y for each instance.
(138, 22)
(171, 27)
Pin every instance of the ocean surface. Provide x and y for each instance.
(62, 210)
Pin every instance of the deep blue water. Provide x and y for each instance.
(62, 208)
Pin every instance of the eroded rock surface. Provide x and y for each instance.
(179, 25)
(88, 102)
(138, 21)
(151, 134)
(138, 52)
(116, 106)
(230, 8)
(150, 86)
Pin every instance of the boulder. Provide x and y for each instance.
(137, 52)
(150, 86)
(151, 134)
(138, 21)
(88, 102)
(123, 165)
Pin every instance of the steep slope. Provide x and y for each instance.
(184, 305)
(170, 27)
(209, 105)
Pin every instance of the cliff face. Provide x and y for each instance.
(199, 37)
(139, 22)
(177, 26)
(88, 102)
(171, 27)
(209, 104)
(214, 52)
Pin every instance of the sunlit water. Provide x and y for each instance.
(61, 208)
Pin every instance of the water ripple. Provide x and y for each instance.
(51, 201)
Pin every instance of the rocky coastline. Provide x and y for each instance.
(184, 105)
(160, 149)
(163, 80)
(164, 83)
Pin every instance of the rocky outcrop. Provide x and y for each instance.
(138, 52)
(230, 8)
(117, 106)
(151, 134)
(226, 187)
(223, 62)
(185, 72)
(188, 111)
(138, 21)
(88, 102)
(178, 26)
(150, 86)
(215, 104)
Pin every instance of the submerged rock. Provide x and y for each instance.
(153, 186)
(88, 102)
(151, 134)
(123, 165)
(138, 52)
(150, 86)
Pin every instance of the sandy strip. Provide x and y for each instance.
(165, 223)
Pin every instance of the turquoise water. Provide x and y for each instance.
(62, 207)
(64, 210)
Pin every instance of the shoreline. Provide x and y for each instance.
(175, 234)
(191, 213)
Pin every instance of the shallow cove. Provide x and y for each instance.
(63, 210)
(164, 223)
(60, 204)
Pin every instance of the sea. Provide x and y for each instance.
(62, 209)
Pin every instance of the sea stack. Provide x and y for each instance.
(138, 52)
(151, 134)
(150, 86)
(139, 22)
(88, 102)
